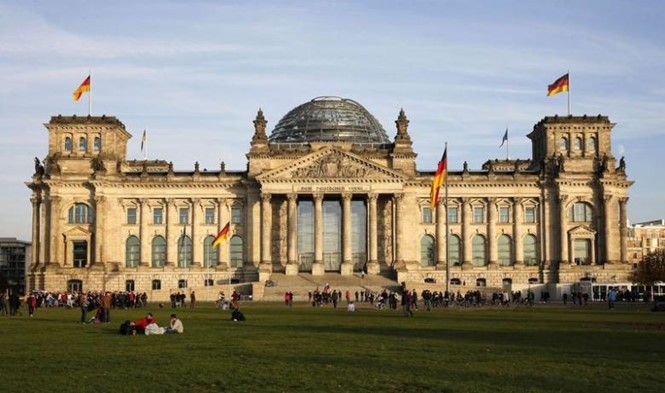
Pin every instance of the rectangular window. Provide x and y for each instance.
(530, 215)
(236, 215)
(157, 215)
(210, 215)
(478, 215)
(184, 215)
(156, 285)
(504, 215)
(453, 217)
(131, 215)
(426, 214)
(182, 283)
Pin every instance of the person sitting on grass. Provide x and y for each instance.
(140, 325)
(175, 325)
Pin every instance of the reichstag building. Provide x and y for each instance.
(328, 191)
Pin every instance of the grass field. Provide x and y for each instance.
(306, 349)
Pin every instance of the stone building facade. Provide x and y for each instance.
(326, 192)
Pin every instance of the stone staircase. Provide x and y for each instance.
(303, 283)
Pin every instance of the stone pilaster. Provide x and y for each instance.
(623, 229)
(143, 232)
(491, 232)
(223, 249)
(55, 237)
(99, 236)
(398, 201)
(518, 222)
(563, 231)
(466, 234)
(441, 238)
(197, 246)
(172, 233)
(317, 266)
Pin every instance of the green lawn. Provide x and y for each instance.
(306, 349)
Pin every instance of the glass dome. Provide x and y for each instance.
(329, 119)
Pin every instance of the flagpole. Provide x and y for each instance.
(90, 93)
(507, 142)
(568, 92)
(445, 204)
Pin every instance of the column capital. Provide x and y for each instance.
(99, 199)
(372, 197)
(318, 196)
(144, 201)
(608, 198)
(36, 199)
(346, 196)
(292, 197)
(623, 200)
(517, 201)
(220, 200)
(265, 197)
(562, 199)
(399, 197)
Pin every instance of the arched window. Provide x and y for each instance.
(578, 143)
(479, 251)
(83, 144)
(427, 251)
(236, 257)
(209, 252)
(505, 251)
(184, 251)
(580, 212)
(97, 146)
(530, 250)
(454, 251)
(592, 144)
(80, 213)
(132, 251)
(158, 251)
(68, 144)
(455, 281)
(563, 144)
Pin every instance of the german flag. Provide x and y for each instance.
(439, 178)
(83, 88)
(223, 235)
(560, 85)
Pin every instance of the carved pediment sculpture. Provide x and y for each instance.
(332, 166)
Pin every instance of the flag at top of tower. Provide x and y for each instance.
(83, 88)
(560, 85)
(505, 138)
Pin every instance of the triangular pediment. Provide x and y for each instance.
(77, 232)
(331, 164)
(582, 231)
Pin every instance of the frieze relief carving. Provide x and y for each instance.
(332, 166)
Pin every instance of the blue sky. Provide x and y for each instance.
(194, 74)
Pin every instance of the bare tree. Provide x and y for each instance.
(651, 269)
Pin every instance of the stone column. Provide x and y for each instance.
(99, 236)
(143, 234)
(491, 232)
(266, 236)
(36, 249)
(397, 203)
(197, 246)
(609, 243)
(172, 233)
(373, 263)
(623, 229)
(55, 237)
(518, 219)
(44, 236)
(466, 234)
(441, 238)
(563, 234)
(347, 262)
(292, 235)
(317, 266)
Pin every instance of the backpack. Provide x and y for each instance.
(237, 315)
(126, 328)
